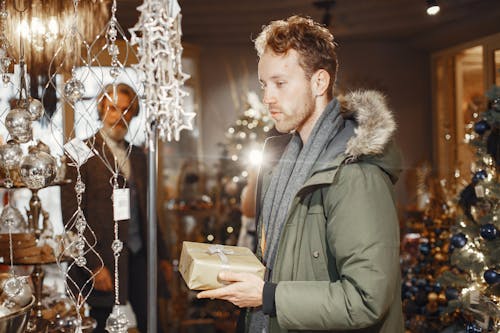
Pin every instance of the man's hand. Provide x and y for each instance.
(244, 290)
(102, 280)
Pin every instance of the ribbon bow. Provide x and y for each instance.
(221, 252)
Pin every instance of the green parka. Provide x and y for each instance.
(337, 265)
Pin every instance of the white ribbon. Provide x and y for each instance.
(221, 252)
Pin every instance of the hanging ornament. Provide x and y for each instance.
(38, 169)
(16, 291)
(491, 277)
(158, 37)
(117, 321)
(74, 90)
(459, 240)
(18, 123)
(36, 109)
(11, 220)
(479, 175)
(473, 328)
(488, 231)
(10, 155)
(481, 127)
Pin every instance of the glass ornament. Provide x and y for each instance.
(74, 90)
(480, 175)
(36, 109)
(481, 127)
(79, 187)
(117, 246)
(117, 321)
(10, 155)
(12, 220)
(5, 79)
(81, 223)
(459, 240)
(488, 231)
(17, 291)
(491, 277)
(80, 261)
(38, 169)
(115, 72)
(18, 123)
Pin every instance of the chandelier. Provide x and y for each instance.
(40, 25)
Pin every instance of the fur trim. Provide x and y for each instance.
(376, 125)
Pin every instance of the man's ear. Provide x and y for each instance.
(320, 81)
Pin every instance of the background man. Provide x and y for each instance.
(116, 112)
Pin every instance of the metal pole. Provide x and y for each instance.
(152, 228)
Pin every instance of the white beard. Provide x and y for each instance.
(116, 133)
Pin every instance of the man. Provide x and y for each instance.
(114, 155)
(327, 224)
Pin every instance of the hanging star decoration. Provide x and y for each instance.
(158, 38)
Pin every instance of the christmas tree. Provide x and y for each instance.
(472, 285)
(424, 254)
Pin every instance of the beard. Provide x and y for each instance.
(294, 120)
(116, 133)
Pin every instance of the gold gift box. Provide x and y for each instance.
(200, 263)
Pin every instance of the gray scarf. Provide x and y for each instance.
(328, 139)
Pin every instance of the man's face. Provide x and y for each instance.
(287, 91)
(116, 116)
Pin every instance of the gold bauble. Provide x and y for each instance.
(432, 297)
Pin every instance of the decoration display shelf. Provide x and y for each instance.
(17, 321)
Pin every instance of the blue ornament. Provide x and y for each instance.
(451, 293)
(424, 248)
(488, 231)
(491, 277)
(472, 328)
(437, 287)
(481, 127)
(480, 175)
(459, 240)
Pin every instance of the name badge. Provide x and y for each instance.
(121, 204)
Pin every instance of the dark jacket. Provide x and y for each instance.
(97, 206)
(337, 263)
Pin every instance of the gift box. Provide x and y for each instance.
(200, 263)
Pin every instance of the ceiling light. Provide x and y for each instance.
(432, 7)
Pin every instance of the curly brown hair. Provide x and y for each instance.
(314, 43)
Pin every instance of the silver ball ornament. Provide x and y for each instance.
(17, 291)
(117, 321)
(18, 123)
(10, 155)
(38, 169)
(36, 109)
(74, 90)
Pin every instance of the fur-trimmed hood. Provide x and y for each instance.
(372, 126)
(375, 122)
(374, 132)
